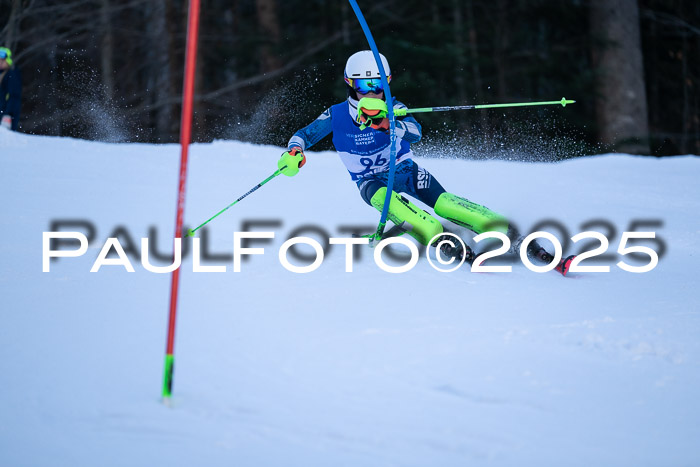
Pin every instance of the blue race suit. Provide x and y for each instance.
(366, 153)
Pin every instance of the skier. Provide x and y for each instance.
(10, 91)
(360, 130)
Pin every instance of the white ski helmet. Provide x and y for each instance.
(362, 65)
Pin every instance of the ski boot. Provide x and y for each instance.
(536, 252)
(454, 249)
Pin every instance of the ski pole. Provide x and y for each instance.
(190, 232)
(403, 112)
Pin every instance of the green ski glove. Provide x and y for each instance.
(372, 112)
(291, 161)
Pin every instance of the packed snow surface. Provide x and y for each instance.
(357, 368)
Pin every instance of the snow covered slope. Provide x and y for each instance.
(336, 368)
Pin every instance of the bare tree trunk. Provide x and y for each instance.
(270, 29)
(687, 82)
(696, 113)
(345, 25)
(199, 121)
(501, 45)
(474, 55)
(160, 69)
(56, 124)
(11, 30)
(654, 84)
(621, 104)
(474, 48)
(107, 51)
(460, 62)
(435, 10)
(172, 19)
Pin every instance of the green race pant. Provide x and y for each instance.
(454, 208)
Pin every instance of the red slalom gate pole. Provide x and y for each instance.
(185, 137)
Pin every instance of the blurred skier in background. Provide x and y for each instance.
(10, 91)
(360, 129)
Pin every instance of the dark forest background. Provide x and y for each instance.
(112, 70)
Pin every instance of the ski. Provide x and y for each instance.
(457, 252)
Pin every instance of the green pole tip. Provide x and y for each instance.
(564, 101)
(190, 233)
